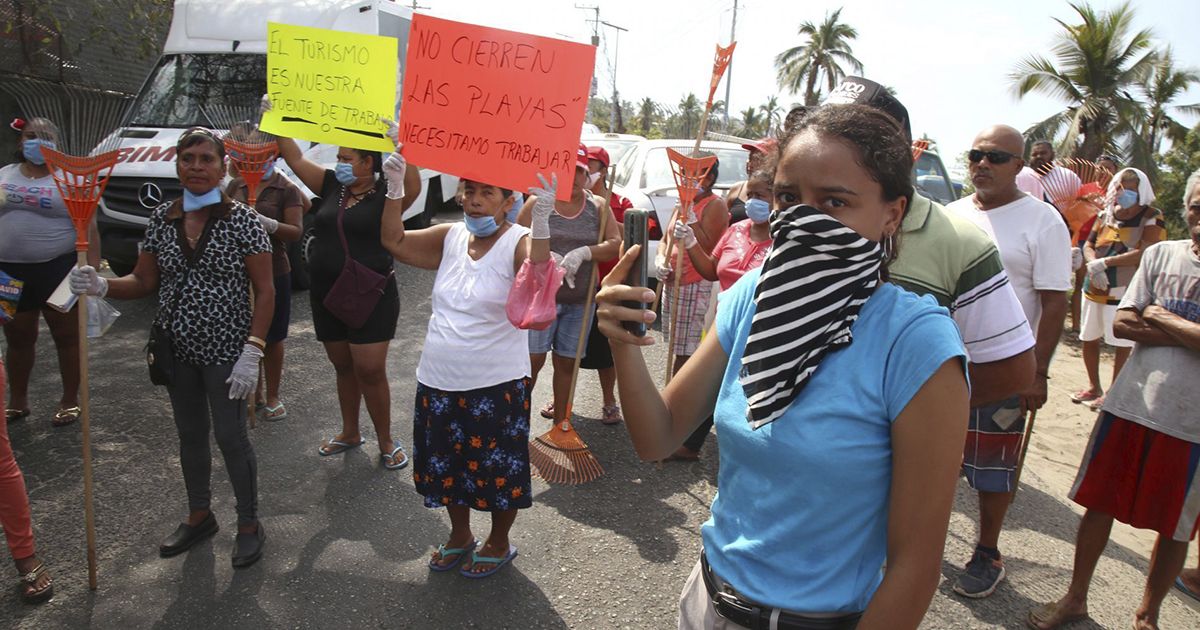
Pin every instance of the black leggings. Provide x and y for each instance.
(199, 394)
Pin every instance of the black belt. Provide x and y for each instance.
(758, 617)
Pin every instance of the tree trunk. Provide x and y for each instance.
(810, 96)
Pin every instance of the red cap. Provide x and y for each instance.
(598, 154)
(581, 156)
(766, 145)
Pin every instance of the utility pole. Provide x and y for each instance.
(729, 70)
(615, 123)
(595, 20)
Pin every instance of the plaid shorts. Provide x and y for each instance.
(994, 436)
(693, 304)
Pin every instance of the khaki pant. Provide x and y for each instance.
(696, 610)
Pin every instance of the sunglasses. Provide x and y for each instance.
(975, 156)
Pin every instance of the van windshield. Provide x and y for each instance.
(193, 89)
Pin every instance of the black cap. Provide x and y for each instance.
(857, 90)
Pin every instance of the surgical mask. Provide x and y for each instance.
(593, 178)
(344, 172)
(518, 201)
(32, 150)
(193, 202)
(758, 210)
(1127, 199)
(270, 171)
(481, 227)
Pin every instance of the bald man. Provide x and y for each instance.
(1035, 248)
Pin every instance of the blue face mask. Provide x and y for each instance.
(32, 150)
(758, 210)
(344, 172)
(518, 201)
(1127, 199)
(193, 202)
(481, 227)
(270, 171)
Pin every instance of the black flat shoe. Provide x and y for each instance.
(186, 536)
(247, 548)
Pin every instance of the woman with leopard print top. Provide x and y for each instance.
(202, 253)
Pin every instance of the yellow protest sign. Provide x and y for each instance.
(330, 86)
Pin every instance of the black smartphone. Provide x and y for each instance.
(636, 234)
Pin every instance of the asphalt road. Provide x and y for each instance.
(348, 541)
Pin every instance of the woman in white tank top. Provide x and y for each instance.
(471, 417)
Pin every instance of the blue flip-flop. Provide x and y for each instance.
(336, 446)
(1193, 596)
(458, 552)
(397, 465)
(499, 562)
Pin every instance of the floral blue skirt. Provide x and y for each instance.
(472, 448)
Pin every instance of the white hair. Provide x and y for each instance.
(1193, 180)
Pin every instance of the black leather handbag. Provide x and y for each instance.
(160, 356)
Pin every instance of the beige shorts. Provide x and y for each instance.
(1098, 324)
(696, 610)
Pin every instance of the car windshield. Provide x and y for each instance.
(930, 179)
(616, 148)
(657, 175)
(182, 84)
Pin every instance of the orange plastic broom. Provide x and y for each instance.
(81, 181)
(560, 455)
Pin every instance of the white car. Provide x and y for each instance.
(644, 175)
(617, 144)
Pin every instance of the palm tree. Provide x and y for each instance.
(1167, 84)
(689, 113)
(647, 110)
(716, 116)
(750, 126)
(1096, 65)
(825, 52)
(772, 115)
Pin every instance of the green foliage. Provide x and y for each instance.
(1174, 168)
(1098, 65)
(825, 54)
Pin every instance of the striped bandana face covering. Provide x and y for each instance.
(816, 278)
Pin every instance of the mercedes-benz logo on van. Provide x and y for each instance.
(150, 195)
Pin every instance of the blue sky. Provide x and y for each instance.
(948, 60)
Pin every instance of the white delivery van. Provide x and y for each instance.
(215, 53)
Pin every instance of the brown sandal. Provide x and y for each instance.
(63, 417)
(30, 593)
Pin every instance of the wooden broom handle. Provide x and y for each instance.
(604, 210)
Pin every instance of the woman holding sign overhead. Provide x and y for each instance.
(347, 252)
(471, 418)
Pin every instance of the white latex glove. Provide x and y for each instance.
(1096, 274)
(265, 105)
(269, 224)
(1076, 258)
(85, 281)
(572, 261)
(393, 170)
(684, 234)
(393, 130)
(244, 377)
(662, 270)
(543, 207)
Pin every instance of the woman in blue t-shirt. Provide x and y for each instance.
(839, 400)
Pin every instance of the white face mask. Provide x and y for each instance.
(593, 178)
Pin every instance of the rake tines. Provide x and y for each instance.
(81, 181)
(251, 161)
(918, 148)
(560, 456)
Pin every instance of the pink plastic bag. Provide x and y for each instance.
(531, 301)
